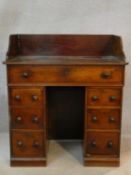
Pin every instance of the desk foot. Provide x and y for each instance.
(28, 162)
(107, 162)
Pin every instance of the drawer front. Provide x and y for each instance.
(27, 118)
(30, 144)
(103, 143)
(26, 96)
(104, 97)
(65, 74)
(103, 119)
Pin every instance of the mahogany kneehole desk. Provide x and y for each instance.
(65, 86)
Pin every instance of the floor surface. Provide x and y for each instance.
(65, 158)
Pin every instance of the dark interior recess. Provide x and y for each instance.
(65, 112)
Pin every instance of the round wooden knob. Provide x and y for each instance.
(36, 144)
(109, 144)
(93, 143)
(112, 98)
(106, 75)
(19, 143)
(95, 98)
(18, 119)
(111, 119)
(34, 97)
(35, 119)
(25, 74)
(94, 119)
(17, 97)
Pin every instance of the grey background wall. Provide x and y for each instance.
(65, 16)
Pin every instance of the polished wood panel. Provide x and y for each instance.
(100, 143)
(28, 143)
(76, 45)
(26, 96)
(65, 74)
(104, 97)
(27, 118)
(103, 119)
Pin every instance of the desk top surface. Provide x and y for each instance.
(65, 49)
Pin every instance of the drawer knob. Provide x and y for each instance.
(36, 144)
(19, 143)
(112, 98)
(109, 144)
(25, 74)
(17, 97)
(95, 98)
(111, 119)
(34, 97)
(18, 119)
(106, 75)
(35, 119)
(93, 143)
(94, 119)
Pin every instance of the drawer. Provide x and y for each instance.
(64, 74)
(103, 119)
(104, 97)
(102, 143)
(26, 96)
(30, 144)
(27, 118)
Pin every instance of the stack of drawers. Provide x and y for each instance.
(27, 125)
(102, 125)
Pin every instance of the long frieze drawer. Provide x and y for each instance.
(27, 118)
(64, 74)
(26, 96)
(27, 144)
(104, 97)
(102, 143)
(103, 119)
